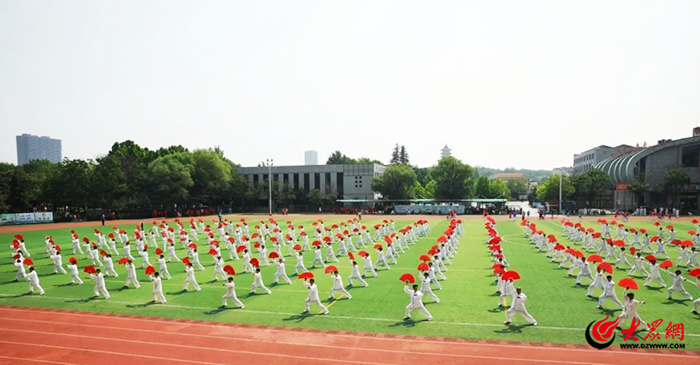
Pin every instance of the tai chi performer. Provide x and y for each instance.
(609, 293)
(157, 288)
(57, 263)
(20, 270)
(281, 272)
(163, 268)
(33, 278)
(231, 294)
(99, 284)
(219, 269)
(317, 258)
(300, 264)
(355, 275)
(518, 307)
(416, 302)
(654, 273)
(258, 283)
(313, 297)
(368, 266)
(131, 275)
(190, 278)
(381, 259)
(426, 289)
(338, 285)
(630, 310)
(638, 265)
(677, 285)
(74, 275)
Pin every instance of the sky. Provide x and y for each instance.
(503, 83)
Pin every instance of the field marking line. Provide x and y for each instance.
(282, 342)
(35, 360)
(269, 354)
(107, 352)
(278, 355)
(330, 316)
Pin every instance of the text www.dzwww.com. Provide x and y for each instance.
(652, 345)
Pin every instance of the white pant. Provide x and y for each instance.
(130, 280)
(682, 290)
(101, 289)
(283, 276)
(635, 268)
(342, 290)
(358, 278)
(313, 264)
(410, 308)
(650, 278)
(193, 282)
(432, 295)
(366, 268)
(523, 312)
(58, 268)
(218, 273)
(73, 278)
(33, 285)
(225, 298)
(300, 267)
(581, 275)
(613, 297)
(383, 262)
(624, 316)
(261, 286)
(317, 302)
(111, 270)
(164, 273)
(158, 296)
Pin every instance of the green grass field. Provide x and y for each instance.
(468, 307)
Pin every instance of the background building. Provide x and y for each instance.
(646, 167)
(584, 161)
(505, 176)
(310, 158)
(446, 151)
(30, 147)
(339, 181)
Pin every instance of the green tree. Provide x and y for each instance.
(396, 182)
(517, 186)
(108, 187)
(286, 195)
(315, 197)
(395, 155)
(499, 189)
(7, 172)
(423, 174)
(212, 175)
(674, 180)
(171, 176)
(590, 183)
(454, 179)
(638, 188)
(338, 158)
(417, 191)
(367, 160)
(403, 155)
(430, 189)
(549, 189)
(482, 188)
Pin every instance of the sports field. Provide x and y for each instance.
(468, 308)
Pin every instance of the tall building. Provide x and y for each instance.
(30, 147)
(446, 151)
(310, 158)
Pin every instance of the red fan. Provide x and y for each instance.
(145, 247)
(89, 269)
(15, 244)
(596, 235)
(432, 252)
(423, 267)
(590, 230)
(551, 238)
(666, 264)
(498, 270)
(28, 262)
(692, 233)
(306, 275)
(186, 261)
(524, 223)
(255, 235)
(316, 243)
(150, 270)
(362, 253)
(407, 277)
(19, 237)
(254, 262)
(122, 261)
(377, 246)
(434, 247)
(351, 256)
(676, 242)
(495, 248)
(256, 245)
(687, 243)
(508, 275)
(669, 227)
(495, 241)
(657, 224)
(607, 267)
(212, 251)
(159, 251)
(628, 283)
(58, 248)
(609, 241)
(73, 261)
(650, 258)
(578, 254)
(654, 239)
(15, 257)
(86, 240)
(192, 245)
(619, 243)
(498, 255)
(273, 255)
(613, 222)
(229, 270)
(330, 269)
(424, 258)
(695, 272)
(297, 248)
(103, 252)
(642, 230)
(496, 266)
(559, 247)
(569, 224)
(387, 239)
(240, 249)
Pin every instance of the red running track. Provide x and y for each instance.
(46, 336)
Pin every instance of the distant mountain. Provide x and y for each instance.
(537, 175)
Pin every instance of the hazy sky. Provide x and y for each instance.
(503, 83)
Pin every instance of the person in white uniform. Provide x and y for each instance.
(654, 273)
(426, 289)
(368, 266)
(163, 268)
(338, 286)
(677, 285)
(598, 282)
(57, 263)
(219, 269)
(630, 310)
(300, 264)
(313, 297)
(638, 265)
(99, 284)
(258, 283)
(317, 258)
(231, 294)
(281, 272)
(74, 274)
(33, 278)
(190, 278)
(355, 274)
(416, 302)
(20, 270)
(518, 307)
(131, 275)
(157, 288)
(608, 293)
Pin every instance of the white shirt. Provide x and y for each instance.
(337, 282)
(280, 268)
(157, 287)
(99, 280)
(300, 260)
(609, 288)
(416, 297)
(257, 278)
(519, 301)
(190, 272)
(57, 260)
(317, 254)
(162, 264)
(231, 289)
(131, 271)
(313, 292)
(631, 306)
(33, 277)
(73, 269)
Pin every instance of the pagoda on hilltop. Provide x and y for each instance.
(446, 151)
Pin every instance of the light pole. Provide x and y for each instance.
(268, 162)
